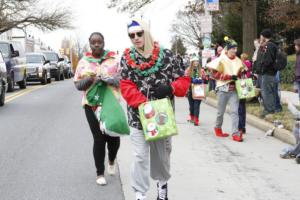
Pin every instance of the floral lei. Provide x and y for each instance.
(145, 68)
(107, 54)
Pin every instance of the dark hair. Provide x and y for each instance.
(96, 33)
(267, 33)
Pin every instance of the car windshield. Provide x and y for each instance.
(34, 59)
(51, 56)
(4, 48)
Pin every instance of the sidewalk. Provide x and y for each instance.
(292, 96)
(207, 167)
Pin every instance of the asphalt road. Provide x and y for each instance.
(46, 147)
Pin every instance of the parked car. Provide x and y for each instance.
(3, 80)
(67, 67)
(38, 68)
(14, 57)
(56, 65)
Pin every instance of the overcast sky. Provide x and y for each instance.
(93, 15)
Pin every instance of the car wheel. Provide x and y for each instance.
(62, 77)
(22, 84)
(2, 95)
(57, 77)
(49, 80)
(44, 79)
(10, 83)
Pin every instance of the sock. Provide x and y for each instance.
(162, 183)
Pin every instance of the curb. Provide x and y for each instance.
(281, 134)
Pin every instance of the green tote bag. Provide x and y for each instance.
(245, 88)
(158, 119)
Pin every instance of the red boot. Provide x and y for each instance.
(191, 119)
(238, 137)
(196, 121)
(220, 133)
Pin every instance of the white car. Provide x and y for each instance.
(38, 68)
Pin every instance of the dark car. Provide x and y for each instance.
(3, 80)
(14, 57)
(67, 67)
(38, 68)
(56, 65)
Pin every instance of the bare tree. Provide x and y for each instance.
(188, 28)
(130, 6)
(196, 6)
(23, 13)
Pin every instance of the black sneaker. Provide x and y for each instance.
(162, 192)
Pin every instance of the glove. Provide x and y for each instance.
(112, 81)
(163, 91)
(84, 84)
(197, 81)
(98, 79)
(234, 77)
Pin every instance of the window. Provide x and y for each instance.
(51, 56)
(4, 48)
(34, 59)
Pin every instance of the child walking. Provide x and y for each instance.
(198, 76)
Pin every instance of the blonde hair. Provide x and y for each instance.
(244, 56)
(191, 68)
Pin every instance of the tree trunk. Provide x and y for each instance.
(249, 25)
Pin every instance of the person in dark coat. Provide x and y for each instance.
(265, 65)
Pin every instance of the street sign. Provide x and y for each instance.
(212, 5)
(207, 53)
(206, 41)
(206, 23)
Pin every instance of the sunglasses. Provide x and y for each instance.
(138, 34)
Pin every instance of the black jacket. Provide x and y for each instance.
(266, 57)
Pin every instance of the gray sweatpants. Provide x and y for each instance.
(223, 99)
(159, 160)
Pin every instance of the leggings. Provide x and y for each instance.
(100, 140)
(194, 105)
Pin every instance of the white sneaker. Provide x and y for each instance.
(140, 196)
(101, 180)
(111, 169)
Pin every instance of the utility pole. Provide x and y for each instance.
(206, 28)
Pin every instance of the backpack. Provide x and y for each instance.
(280, 61)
